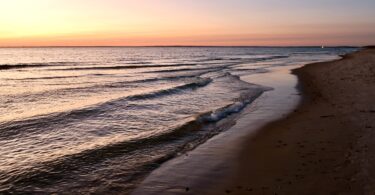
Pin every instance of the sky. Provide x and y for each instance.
(187, 22)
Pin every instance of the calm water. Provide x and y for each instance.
(94, 120)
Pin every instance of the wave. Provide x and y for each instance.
(45, 78)
(235, 107)
(209, 59)
(213, 68)
(126, 61)
(126, 67)
(171, 78)
(200, 83)
(219, 59)
(311, 53)
(221, 66)
(269, 58)
(94, 88)
(19, 66)
(12, 128)
(51, 171)
(33, 65)
(137, 65)
(58, 77)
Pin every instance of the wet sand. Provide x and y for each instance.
(327, 145)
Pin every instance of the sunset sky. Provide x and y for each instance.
(186, 22)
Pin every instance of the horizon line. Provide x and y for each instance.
(78, 46)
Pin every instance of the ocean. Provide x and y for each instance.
(99, 119)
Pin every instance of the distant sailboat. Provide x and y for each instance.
(322, 46)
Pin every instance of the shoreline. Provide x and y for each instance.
(209, 165)
(326, 145)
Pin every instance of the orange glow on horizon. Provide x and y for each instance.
(176, 40)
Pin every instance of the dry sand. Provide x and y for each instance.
(327, 146)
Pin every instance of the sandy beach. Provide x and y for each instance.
(326, 145)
